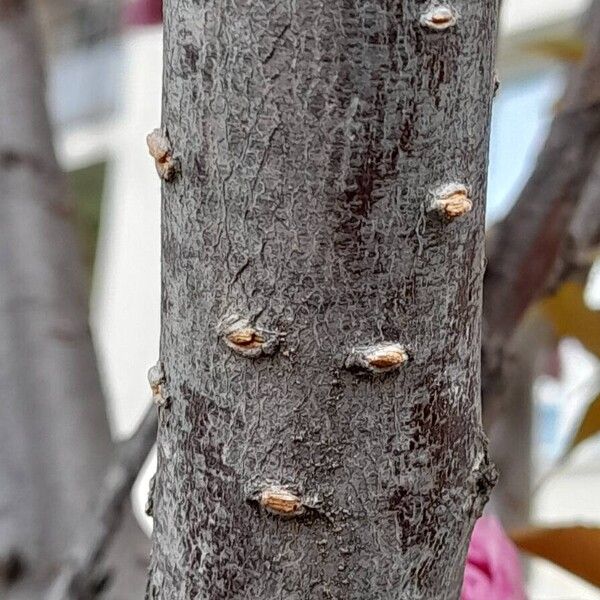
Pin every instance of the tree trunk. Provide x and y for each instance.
(320, 432)
(55, 442)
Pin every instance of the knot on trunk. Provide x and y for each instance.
(378, 358)
(484, 477)
(157, 380)
(280, 501)
(439, 17)
(451, 200)
(160, 149)
(245, 339)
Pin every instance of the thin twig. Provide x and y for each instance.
(76, 579)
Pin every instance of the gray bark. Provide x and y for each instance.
(321, 307)
(54, 438)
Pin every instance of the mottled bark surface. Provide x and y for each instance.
(312, 139)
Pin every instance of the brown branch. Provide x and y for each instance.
(528, 248)
(584, 229)
(79, 575)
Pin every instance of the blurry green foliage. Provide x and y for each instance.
(87, 186)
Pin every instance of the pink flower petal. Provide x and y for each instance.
(143, 12)
(493, 570)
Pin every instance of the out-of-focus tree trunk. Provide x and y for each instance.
(54, 437)
(530, 249)
(552, 230)
(584, 229)
(510, 430)
(320, 435)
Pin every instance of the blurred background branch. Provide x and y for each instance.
(549, 235)
(56, 442)
(79, 575)
(529, 251)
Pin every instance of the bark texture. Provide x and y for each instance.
(54, 438)
(322, 298)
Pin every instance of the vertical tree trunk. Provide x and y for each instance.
(320, 435)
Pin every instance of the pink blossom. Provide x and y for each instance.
(493, 571)
(143, 12)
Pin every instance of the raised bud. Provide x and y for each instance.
(280, 501)
(439, 17)
(247, 340)
(451, 200)
(160, 149)
(378, 358)
(156, 379)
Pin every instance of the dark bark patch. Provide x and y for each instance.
(360, 195)
(12, 567)
(189, 60)
(484, 477)
(408, 129)
(149, 506)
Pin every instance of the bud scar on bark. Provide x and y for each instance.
(451, 200)
(281, 501)
(378, 358)
(439, 17)
(246, 339)
(156, 379)
(496, 83)
(160, 149)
